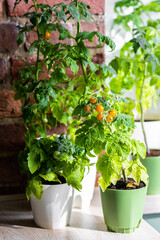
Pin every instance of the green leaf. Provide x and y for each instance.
(124, 120)
(73, 11)
(60, 14)
(99, 147)
(110, 172)
(102, 38)
(50, 177)
(76, 177)
(20, 38)
(79, 110)
(33, 47)
(33, 160)
(81, 140)
(35, 187)
(138, 148)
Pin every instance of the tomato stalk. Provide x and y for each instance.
(38, 49)
(124, 175)
(142, 111)
(81, 62)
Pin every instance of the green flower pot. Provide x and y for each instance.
(123, 209)
(152, 165)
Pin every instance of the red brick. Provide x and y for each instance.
(98, 6)
(0, 7)
(3, 70)
(32, 36)
(17, 64)
(61, 128)
(93, 27)
(98, 58)
(12, 137)
(8, 106)
(9, 171)
(8, 36)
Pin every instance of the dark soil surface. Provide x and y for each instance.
(62, 179)
(129, 185)
(153, 153)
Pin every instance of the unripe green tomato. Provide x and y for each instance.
(55, 154)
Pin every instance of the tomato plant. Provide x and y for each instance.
(49, 100)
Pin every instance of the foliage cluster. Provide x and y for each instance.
(112, 136)
(52, 159)
(137, 66)
(60, 98)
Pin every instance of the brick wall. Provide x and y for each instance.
(11, 122)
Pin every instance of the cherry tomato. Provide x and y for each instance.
(93, 100)
(99, 116)
(47, 36)
(109, 118)
(87, 109)
(99, 108)
(112, 113)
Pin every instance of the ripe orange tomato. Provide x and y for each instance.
(109, 118)
(93, 100)
(87, 109)
(47, 36)
(99, 108)
(99, 116)
(112, 113)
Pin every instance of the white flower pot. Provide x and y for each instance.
(152, 129)
(83, 198)
(53, 210)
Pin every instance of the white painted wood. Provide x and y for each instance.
(152, 129)
(152, 204)
(16, 223)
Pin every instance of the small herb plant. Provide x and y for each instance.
(52, 159)
(104, 127)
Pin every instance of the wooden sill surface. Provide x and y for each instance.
(16, 223)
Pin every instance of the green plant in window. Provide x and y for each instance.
(137, 68)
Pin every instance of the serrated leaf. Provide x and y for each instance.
(124, 120)
(33, 160)
(73, 11)
(20, 37)
(81, 140)
(102, 38)
(35, 187)
(50, 177)
(33, 47)
(60, 14)
(76, 177)
(138, 148)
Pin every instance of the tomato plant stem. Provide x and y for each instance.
(38, 48)
(78, 23)
(141, 109)
(81, 62)
(124, 175)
